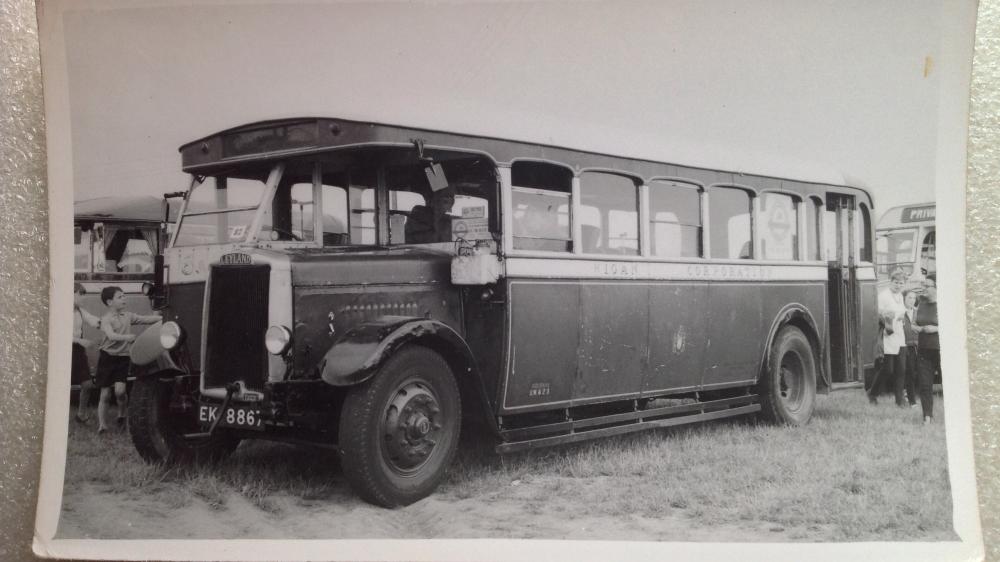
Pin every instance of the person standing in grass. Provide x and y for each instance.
(910, 349)
(928, 346)
(80, 374)
(892, 311)
(113, 363)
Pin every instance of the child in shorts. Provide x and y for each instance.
(80, 374)
(113, 363)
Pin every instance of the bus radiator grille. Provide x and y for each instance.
(237, 321)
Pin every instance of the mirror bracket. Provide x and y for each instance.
(419, 145)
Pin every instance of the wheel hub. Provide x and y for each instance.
(790, 384)
(411, 427)
(417, 427)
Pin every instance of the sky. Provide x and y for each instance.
(838, 91)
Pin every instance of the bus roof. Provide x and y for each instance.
(907, 215)
(274, 139)
(128, 209)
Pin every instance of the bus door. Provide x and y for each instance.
(843, 298)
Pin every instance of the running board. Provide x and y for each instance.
(640, 424)
(847, 385)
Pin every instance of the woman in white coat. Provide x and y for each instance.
(892, 310)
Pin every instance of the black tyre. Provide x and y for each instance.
(160, 436)
(788, 388)
(399, 431)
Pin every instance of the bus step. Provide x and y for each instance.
(641, 425)
(847, 385)
(545, 430)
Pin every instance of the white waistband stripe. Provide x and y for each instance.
(549, 268)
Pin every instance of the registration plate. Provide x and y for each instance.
(237, 415)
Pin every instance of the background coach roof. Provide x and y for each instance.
(143, 208)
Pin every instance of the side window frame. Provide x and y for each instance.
(509, 188)
(605, 214)
(866, 250)
(814, 211)
(650, 213)
(757, 233)
(752, 199)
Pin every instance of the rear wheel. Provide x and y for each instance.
(788, 388)
(399, 430)
(161, 436)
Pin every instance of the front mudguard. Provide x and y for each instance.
(356, 356)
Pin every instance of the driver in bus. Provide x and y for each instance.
(431, 224)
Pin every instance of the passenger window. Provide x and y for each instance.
(616, 198)
(830, 236)
(779, 227)
(539, 219)
(813, 229)
(675, 219)
(590, 228)
(540, 195)
(729, 222)
(865, 239)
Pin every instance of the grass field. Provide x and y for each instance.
(855, 472)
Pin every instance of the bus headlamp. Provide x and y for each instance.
(147, 288)
(171, 335)
(277, 340)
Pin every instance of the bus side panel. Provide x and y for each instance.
(742, 316)
(678, 330)
(734, 333)
(485, 327)
(613, 336)
(544, 342)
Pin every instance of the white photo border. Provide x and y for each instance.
(955, 63)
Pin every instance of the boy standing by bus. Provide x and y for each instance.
(113, 363)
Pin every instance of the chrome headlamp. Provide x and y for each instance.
(171, 335)
(277, 340)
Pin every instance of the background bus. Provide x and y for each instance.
(115, 241)
(905, 239)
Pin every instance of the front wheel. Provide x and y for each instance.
(399, 430)
(163, 436)
(788, 388)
